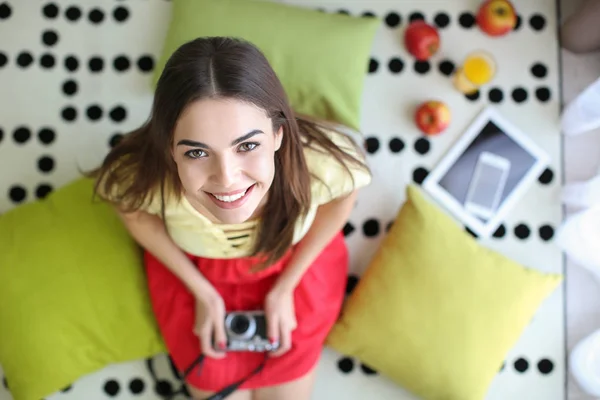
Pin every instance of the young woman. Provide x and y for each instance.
(239, 204)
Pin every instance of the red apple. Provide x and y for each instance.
(432, 117)
(421, 40)
(496, 17)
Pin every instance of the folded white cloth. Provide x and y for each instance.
(584, 362)
(582, 114)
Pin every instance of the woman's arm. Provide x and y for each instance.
(329, 220)
(149, 231)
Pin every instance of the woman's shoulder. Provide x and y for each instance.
(330, 177)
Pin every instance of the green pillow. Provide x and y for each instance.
(321, 58)
(435, 311)
(73, 295)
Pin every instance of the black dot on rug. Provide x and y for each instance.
(419, 175)
(416, 16)
(396, 145)
(50, 10)
(47, 61)
(71, 63)
(521, 365)
(163, 388)
(69, 87)
(369, 14)
(371, 228)
(69, 114)
(522, 231)
(372, 144)
(495, 95)
(94, 112)
(446, 67)
(442, 20)
(137, 386)
(373, 65)
(96, 16)
(121, 14)
(121, 63)
(5, 11)
(422, 146)
(17, 194)
(345, 365)
(46, 136)
(466, 20)
(348, 229)
(118, 114)
(537, 22)
(422, 67)
(351, 283)
(393, 19)
(396, 65)
(41, 192)
(542, 94)
(473, 96)
(539, 70)
(519, 95)
(73, 13)
(145, 63)
(45, 164)
(500, 232)
(24, 59)
(546, 232)
(470, 232)
(367, 370)
(21, 134)
(49, 38)
(96, 64)
(546, 177)
(545, 366)
(518, 23)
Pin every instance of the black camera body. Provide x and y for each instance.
(247, 331)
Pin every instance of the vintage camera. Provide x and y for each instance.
(247, 331)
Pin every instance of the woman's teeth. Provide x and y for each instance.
(229, 199)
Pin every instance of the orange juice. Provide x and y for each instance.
(478, 69)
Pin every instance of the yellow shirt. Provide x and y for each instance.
(197, 235)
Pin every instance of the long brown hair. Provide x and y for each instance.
(220, 67)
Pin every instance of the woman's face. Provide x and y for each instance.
(225, 150)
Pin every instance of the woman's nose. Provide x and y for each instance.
(226, 172)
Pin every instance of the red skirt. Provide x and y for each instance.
(318, 300)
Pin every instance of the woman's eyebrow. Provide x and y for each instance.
(193, 143)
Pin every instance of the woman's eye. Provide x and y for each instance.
(249, 146)
(195, 154)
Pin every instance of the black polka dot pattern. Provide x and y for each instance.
(17, 194)
(546, 232)
(473, 96)
(371, 228)
(43, 190)
(546, 177)
(373, 66)
(519, 95)
(537, 22)
(416, 16)
(367, 370)
(49, 38)
(137, 386)
(396, 145)
(539, 70)
(5, 11)
(121, 14)
(422, 67)
(446, 67)
(46, 136)
(115, 139)
(500, 232)
(351, 283)
(346, 365)
(24, 59)
(542, 94)
(96, 16)
(471, 232)
(112, 388)
(419, 175)
(50, 11)
(521, 365)
(372, 144)
(21, 135)
(466, 20)
(545, 366)
(441, 20)
(146, 63)
(522, 231)
(495, 95)
(422, 146)
(73, 13)
(393, 19)
(396, 65)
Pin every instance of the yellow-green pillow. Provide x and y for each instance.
(321, 58)
(431, 310)
(73, 295)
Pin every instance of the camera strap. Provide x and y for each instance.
(227, 390)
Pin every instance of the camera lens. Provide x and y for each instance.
(240, 324)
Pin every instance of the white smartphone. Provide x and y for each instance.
(487, 184)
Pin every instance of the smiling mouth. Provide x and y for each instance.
(231, 198)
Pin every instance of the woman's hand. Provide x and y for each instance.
(281, 318)
(210, 322)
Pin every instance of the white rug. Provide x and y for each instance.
(62, 103)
